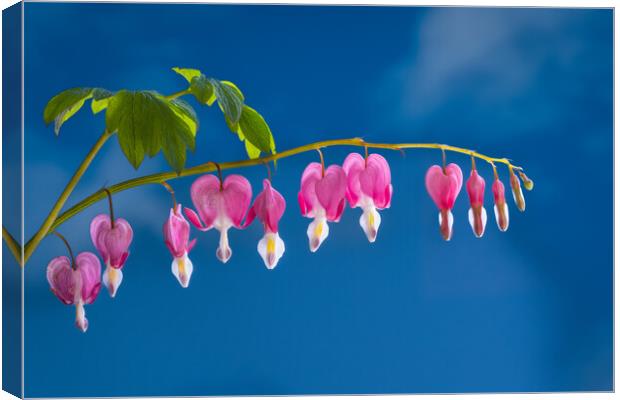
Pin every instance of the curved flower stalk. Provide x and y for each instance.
(176, 237)
(368, 187)
(475, 190)
(112, 238)
(322, 197)
(221, 205)
(268, 207)
(444, 185)
(75, 282)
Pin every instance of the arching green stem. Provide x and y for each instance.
(210, 166)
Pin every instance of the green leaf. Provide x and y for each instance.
(235, 88)
(199, 85)
(187, 73)
(147, 123)
(202, 89)
(229, 100)
(100, 100)
(64, 105)
(252, 151)
(255, 130)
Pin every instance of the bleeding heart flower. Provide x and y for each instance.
(502, 216)
(112, 243)
(477, 213)
(268, 207)
(78, 284)
(444, 186)
(176, 237)
(220, 205)
(517, 193)
(321, 197)
(368, 187)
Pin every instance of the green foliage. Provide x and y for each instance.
(199, 85)
(147, 123)
(254, 129)
(241, 119)
(65, 104)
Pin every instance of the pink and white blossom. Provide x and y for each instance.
(220, 206)
(112, 243)
(176, 237)
(268, 207)
(444, 185)
(369, 188)
(76, 285)
(322, 197)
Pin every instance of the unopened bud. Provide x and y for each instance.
(528, 184)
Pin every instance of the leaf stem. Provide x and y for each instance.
(177, 94)
(209, 167)
(49, 220)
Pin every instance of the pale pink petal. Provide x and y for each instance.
(205, 193)
(100, 223)
(89, 268)
(307, 195)
(61, 279)
(111, 243)
(375, 178)
(268, 206)
(353, 165)
(195, 220)
(236, 198)
(330, 192)
(176, 232)
(444, 188)
(117, 241)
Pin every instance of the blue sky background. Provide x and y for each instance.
(525, 310)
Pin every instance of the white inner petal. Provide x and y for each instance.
(370, 221)
(472, 222)
(112, 279)
(224, 251)
(317, 232)
(182, 269)
(450, 222)
(80, 316)
(271, 248)
(505, 208)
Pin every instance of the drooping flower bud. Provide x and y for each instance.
(528, 184)
(517, 193)
(502, 216)
(477, 213)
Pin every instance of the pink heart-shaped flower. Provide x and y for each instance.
(444, 187)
